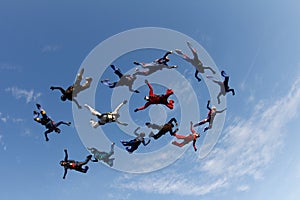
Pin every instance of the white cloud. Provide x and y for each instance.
(18, 93)
(246, 149)
(9, 67)
(2, 144)
(7, 118)
(3, 118)
(50, 48)
(243, 188)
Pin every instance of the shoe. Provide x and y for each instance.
(89, 157)
(136, 63)
(38, 106)
(136, 110)
(35, 112)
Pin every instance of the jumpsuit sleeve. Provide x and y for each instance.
(135, 131)
(66, 155)
(194, 144)
(220, 111)
(65, 173)
(191, 128)
(173, 120)
(58, 88)
(207, 106)
(145, 143)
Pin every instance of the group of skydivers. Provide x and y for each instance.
(127, 80)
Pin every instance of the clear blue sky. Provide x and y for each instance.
(44, 43)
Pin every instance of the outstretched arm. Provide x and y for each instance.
(194, 144)
(135, 131)
(220, 111)
(58, 88)
(173, 120)
(122, 123)
(207, 106)
(65, 173)
(145, 143)
(66, 155)
(76, 102)
(191, 128)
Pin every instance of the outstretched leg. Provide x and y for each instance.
(193, 50)
(88, 158)
(111, 150)
(79, 78)
(93, 111)
(178, 136)
(218, 97)
(94, 123)
(58, 88)
(46, 134)
(150, 89)
(61, 122)
(77, 104)
(87, 84)
(201, 122)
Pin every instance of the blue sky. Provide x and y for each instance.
(44, 43)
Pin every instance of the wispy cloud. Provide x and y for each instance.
(7, 118)
(10, 67)
(29, 95)
(51, 48)
(243, 188)
(247, 148)
(2, 144)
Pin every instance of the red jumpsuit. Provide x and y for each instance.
(158, 99)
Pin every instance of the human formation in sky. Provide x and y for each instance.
(127, 80)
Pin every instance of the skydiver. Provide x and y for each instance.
(104, 156)
(195, 61)
(210, 116)
(74, 165)
(187, 139)
(133, 145)
(125, 80)
(224, 88)
(157, 99)
(154, 66)
(71, 92)
(47, 121)
(168, 127)
(106, 117)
